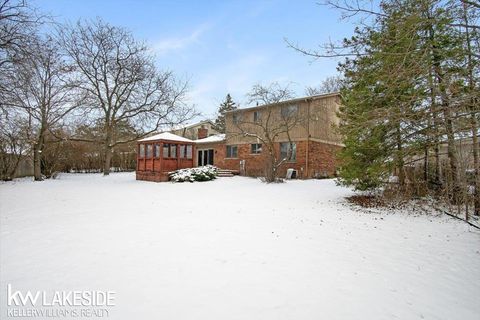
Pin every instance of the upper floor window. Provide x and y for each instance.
(232, 151)
(289, 111)
(288, 151)
(141, 151)
(256, 116)
(236, 118)
(256, 148)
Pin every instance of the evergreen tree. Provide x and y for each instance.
(411, 88)
(227, 105)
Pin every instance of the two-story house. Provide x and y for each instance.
(301, 131)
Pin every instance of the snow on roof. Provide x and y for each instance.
(214, 138)
(166, 136)
(187, 126)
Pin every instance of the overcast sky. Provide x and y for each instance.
(222, 46)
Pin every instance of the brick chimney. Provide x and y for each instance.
(202, 133)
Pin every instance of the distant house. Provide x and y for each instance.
(312, 151)
(196, 131)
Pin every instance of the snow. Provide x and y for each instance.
(166, 136)
(213, 138)
(234, 248)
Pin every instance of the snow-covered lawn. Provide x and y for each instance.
(234, 248)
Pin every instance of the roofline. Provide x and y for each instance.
(193, 124)
(149, 138)
(207, 142)
(315, 97)
(163, 139)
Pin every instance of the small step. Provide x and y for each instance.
(225, 174)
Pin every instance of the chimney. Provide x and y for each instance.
(202, 133)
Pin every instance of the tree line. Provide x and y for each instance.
(86, 86)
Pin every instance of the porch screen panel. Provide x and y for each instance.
(166, 147)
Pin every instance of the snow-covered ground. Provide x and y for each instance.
(234, 248)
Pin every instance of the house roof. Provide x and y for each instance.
(318, 96)
(166, 136)
(188, 126)
(213, 138)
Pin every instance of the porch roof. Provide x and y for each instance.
(166, 136)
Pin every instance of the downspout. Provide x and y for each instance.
(308, 139)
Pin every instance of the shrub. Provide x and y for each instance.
(204, 173)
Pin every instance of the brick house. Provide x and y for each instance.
(314, 140)
(311, 149)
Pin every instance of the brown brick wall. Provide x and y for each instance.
(321, 160)
(219, 150)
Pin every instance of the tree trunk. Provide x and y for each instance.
(37, 156)
(108, 160)
(452, 155)
(437, 180)
(108, 149)
(270, 172)
(473, 108)
(400, 160)
(476, 165)
(454, 193)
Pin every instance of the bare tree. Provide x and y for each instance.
(272, 123)
(13, 144)
(328, 85)
(40, 86)
(268, 94)
(121, 84)
(18, 24)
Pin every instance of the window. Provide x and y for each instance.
(169, 150)
(256, 116)
(166, 148)
(149, 151)
(236, 118)
(289, 111)
(182, 151)
(256, 148)
(232, 152)
(173, 151)
(141, 151)
(288, 151)
(156, 151)
(185, 151)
